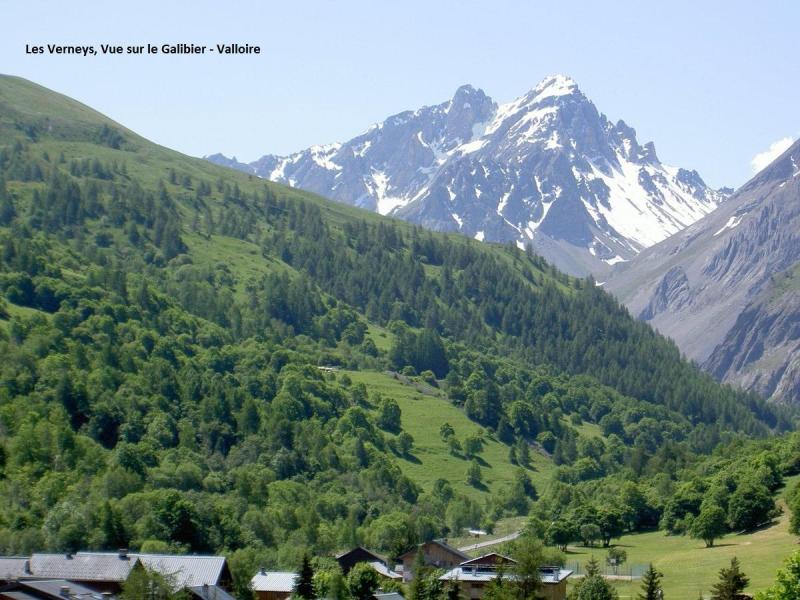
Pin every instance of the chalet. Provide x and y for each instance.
(99, 572)
(273, 585)
(473, 575)
(188, 571)
(554, 582)
(49, 589)
(204, 577)
(348, 560)
(435, 553)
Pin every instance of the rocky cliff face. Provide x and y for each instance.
(761, 352)
(720, 290)
(546, 169)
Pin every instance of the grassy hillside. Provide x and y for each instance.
(690, 568)
(423, 414)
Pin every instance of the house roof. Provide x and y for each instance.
(18, 596)
(440, 543)
(474, 574)
(273, 581)
(382, 569)
(389, 596)
(210, 592)
(554, 574)
(51, 588)
(486, 574)
(188, 571)
(12, 567)
(360, 550)
(493, 558)
(82, 567)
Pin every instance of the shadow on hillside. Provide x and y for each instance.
(761, 527)
(411, 458)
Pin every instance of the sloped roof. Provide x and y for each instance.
(485, 574)
(382, 569)
(210, 592)
(82, 566)
(19, 596)
(493, 558)
(475, 574)
(52, 587)
(187, 571)
(553, 574)
(389, 596)
(360, 550)
(363, 551)
(273, 581)
(441, 543)
(12, 567)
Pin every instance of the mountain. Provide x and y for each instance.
(546, 169)
(725, 289)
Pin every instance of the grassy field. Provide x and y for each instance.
(19, 311)
(422, 415)
(243, 259)
(690, 568)
(383, 338)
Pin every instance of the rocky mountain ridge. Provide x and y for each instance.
(725, 289)
(546, 169)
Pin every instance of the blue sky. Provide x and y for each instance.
(712, 83)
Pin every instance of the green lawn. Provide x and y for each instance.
(690, 568)
(422, 415)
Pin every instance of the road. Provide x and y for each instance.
(494, 542)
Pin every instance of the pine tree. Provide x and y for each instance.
(731, 582)
(651, 585)
(592, 567)
(7, 211)
(304, 586)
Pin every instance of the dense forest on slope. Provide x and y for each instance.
(163, 323)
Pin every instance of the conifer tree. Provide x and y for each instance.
(304, 586)
(592, 567)
(651, 585)
(731, 582)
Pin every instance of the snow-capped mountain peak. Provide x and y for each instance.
(545, 169)
(554, 86)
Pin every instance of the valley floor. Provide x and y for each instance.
(689, 568)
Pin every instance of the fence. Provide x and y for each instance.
(623, 571)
